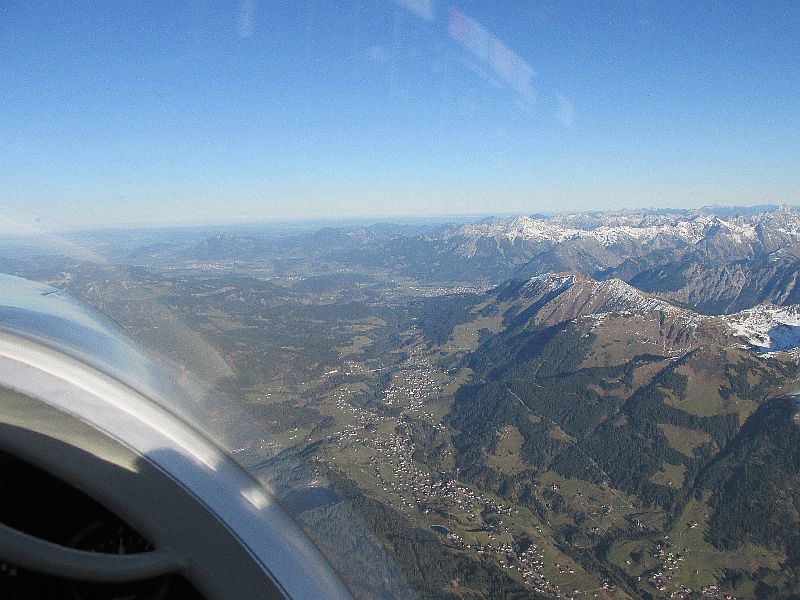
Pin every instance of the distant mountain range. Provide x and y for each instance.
(716, 260)
(713, 263)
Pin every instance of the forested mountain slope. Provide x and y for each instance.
(607, 391)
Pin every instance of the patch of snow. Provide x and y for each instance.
(769, 328)
(548, 282)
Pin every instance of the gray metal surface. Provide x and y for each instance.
(78, 418)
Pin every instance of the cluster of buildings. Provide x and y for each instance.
(670, 564)
(531, 564)
(410, 487)
(414, 385)
(663, 577)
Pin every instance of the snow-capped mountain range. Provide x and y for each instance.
(714, 260)
(560, 229)
(610, 229)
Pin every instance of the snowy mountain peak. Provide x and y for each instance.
(548, 283)
(565, 296)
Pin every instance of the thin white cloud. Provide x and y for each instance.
(492, 54)
(377, 54)
(422, 8)
(565, 111)
(246, 13)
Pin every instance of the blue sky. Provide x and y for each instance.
(171, 112)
